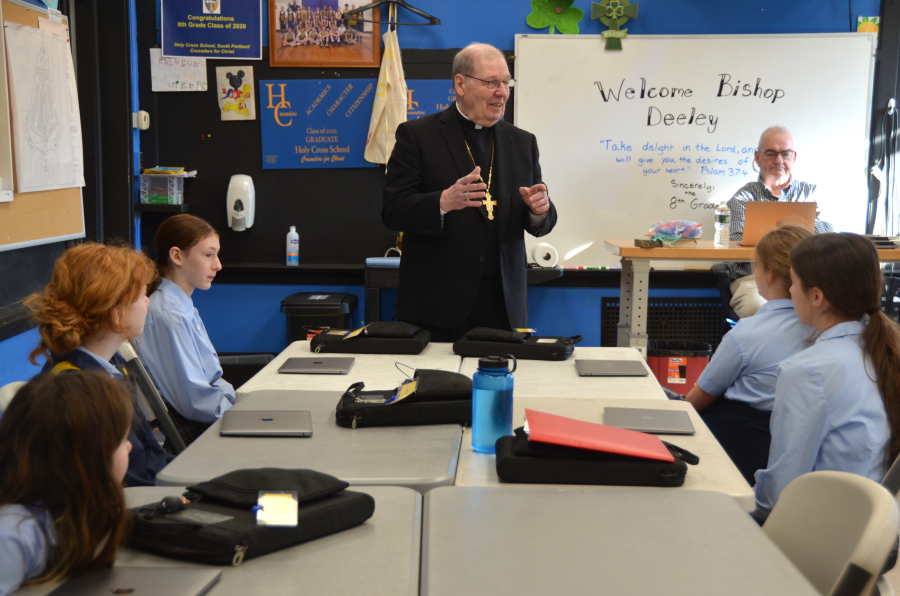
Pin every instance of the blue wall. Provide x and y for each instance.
(498, 21)
(248, 318)
(14, 356)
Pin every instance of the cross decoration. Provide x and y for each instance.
(614, 14)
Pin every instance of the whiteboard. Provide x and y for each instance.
(665, 129)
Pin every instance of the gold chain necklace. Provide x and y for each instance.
(488, 203)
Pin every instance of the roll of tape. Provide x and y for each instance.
(544, 255)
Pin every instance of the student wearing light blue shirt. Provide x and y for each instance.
(63, 454)
(735, 392)
(837, 404)
(175, 347)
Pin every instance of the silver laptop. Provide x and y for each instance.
(340, 365)
(141, 581)
(660, 422)
(266, 423)
(611, 368)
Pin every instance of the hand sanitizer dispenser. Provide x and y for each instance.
(241, 202)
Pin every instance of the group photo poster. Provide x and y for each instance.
(313, 33)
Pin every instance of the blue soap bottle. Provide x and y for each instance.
(492, 402)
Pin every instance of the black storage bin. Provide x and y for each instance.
(317, 309)
(237, 369)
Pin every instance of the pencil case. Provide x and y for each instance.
(484, 341)
(382, 337)
(441, 397)
(219, 527)
(524, 461)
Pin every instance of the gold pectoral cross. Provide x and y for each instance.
(489, 204)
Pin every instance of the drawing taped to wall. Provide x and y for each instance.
(235, 88)
(312, 33)
(42, 128)
(44, 105)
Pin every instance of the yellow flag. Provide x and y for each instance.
(389, 110)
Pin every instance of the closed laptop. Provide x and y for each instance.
(611, 368)
(266, 423)
(141, 581)
(337, 365)
(647, 420)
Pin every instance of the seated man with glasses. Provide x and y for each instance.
(463, 186)
(775, 157)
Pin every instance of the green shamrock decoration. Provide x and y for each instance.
(555, 13)
(614, 14)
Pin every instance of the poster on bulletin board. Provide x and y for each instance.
(212, 28)
(315, 124)
(428, 96)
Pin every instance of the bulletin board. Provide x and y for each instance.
(35, 217)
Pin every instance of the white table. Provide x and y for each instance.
(543, 378)
(418, 457)
(715, 472)
(379, 557)
(631, 542)
(378, 371)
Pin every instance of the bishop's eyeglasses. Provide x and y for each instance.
(492, 85)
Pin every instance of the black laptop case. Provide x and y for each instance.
(383, 337)
(521, 460)
(441, 397)
(324, 508)
(484, 341)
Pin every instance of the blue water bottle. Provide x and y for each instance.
(492, 402)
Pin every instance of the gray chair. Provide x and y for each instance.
(837, 529)
(7, 392)
(136, 368)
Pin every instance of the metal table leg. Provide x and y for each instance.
(632, 329)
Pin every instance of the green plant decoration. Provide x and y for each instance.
(614, 14)
(559, 14)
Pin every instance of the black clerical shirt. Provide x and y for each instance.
(480, 141)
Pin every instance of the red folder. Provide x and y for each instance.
(558, 430)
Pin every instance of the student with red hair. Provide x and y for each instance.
(95, 301)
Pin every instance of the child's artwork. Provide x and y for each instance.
(234, 84)
(868, 24)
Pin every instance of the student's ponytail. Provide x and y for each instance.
(845, 268)
(881, 341)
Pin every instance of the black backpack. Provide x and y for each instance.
(218, 525)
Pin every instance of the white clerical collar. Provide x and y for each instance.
(477, 126)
